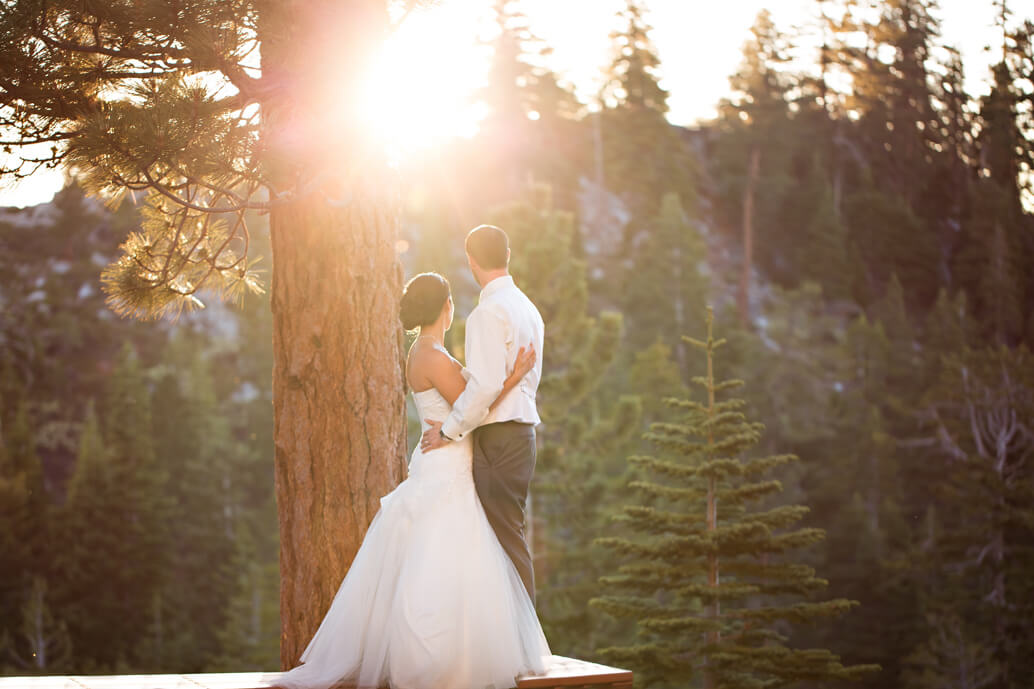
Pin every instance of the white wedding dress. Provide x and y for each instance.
(431, 600)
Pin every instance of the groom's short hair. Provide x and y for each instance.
(488, 246)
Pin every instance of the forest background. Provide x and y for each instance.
(861, 224)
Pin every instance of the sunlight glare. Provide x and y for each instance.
(418, 91)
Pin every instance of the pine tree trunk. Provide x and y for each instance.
(753, 167)
(338, 387)
(712, 500)
(339, 411)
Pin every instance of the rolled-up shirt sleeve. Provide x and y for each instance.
(485, 349)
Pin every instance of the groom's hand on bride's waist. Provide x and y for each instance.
(433, 438)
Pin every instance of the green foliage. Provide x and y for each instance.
(644, 156)
(890, 249)
(529, 130)
(175, 253)
(42, 645)
(249, 639)
(120, 519)
(24, 516)
(707, 574)
(115, 523)
(666, 279)
(977, 561)
(890, 239)
(193, 442)
(125, 104)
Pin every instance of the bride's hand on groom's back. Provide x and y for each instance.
(525, 361)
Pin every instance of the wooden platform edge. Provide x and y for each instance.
(563, 672)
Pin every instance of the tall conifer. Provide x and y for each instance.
(708, 572)
(643, 156)
(24, 515)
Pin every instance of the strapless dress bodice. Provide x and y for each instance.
(449, 464)
(430, 406)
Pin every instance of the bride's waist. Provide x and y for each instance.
(453, 459)
(424, 426)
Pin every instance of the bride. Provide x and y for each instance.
(431, 601)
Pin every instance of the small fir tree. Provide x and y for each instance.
(708, 575)
(42, 644)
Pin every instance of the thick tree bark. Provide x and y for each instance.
(338, 406)
(338, 388)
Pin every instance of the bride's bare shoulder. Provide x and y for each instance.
(425, 362)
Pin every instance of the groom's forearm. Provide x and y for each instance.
(485, 348)
(472, 406)
(486, 362)
(469, 410)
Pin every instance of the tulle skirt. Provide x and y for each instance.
(431, 600)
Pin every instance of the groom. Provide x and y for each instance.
(504, 437)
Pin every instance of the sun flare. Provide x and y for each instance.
(419, 88)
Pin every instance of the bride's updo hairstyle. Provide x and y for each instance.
(422, 300)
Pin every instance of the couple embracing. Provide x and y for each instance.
(441, 592)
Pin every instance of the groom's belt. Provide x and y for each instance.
(516, 425)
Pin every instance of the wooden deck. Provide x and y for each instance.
(563, 672)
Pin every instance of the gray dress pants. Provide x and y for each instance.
(504, 461)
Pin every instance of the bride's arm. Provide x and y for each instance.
(525, 362)
(446, 375)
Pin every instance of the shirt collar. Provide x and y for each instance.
(495, 285)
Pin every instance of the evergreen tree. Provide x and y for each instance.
(528, 129)
(88, 533)
(895, 99)
(248, 638)
(898, 143)
(751, 157)
(949, 327)
(949, 196)
(42, 645)
(891, 240)
(654, 375)
(994, 246)
(24, 516)
(666, 278)
(114, 525)
(192, 443)
(978, 415)
(955, 656)
(861, 494)
(826, 255)
(706, 574)
(1019, 55)
(643, 156)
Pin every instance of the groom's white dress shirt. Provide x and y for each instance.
(503, 321)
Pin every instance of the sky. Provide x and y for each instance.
(700, 45)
